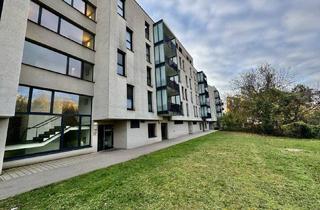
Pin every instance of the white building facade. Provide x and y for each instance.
(82, 76)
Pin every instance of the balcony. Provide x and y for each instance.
(175, 108)
(173, 85)
(172, 63)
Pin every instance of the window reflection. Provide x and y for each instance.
(69, 30)
(22, 99)
(76, 34)
(65, 103)
(41, 101)
(34, 12)
(49, 20)
(41, 57)
(79, 5)
(85, 131)
(84, 105)
(74, 67)
(87, 72)
(71, 129)
(83, 7)
(44, 58)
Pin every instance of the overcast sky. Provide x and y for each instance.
(226, 37)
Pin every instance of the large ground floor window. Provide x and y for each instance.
(48, 121)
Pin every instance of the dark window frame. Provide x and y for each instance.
(124, 62)
(147, 30)
(150, 102)
(148, 53)
(60, 18)
(149, 76)
(131, 98)
(134, 124)
(85, 9)
(178, 122)
(63, 115)
(1, 7)
(152, 133)
(130, 42)
(83, 62)
(123, 8)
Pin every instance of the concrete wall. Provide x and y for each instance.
(30, 76)
(175, 131)
(12, 32)
(138, 137)
(110, 88)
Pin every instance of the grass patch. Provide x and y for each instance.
(221, 170)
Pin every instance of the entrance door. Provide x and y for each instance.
(164, 131)
(105, 137)
(190, 126)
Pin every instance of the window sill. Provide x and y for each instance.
(131, 50)
(125, 76)
(66, 75)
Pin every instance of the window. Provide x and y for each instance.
(48, 121)
(75, 67)
(152, 130)
(41, 101)
(121, 63)
(65, 103)
(150, 109)
(1, 4)
(187, 107)
(147, 30)
(22, 101)
(149, 76)
(121, 8)
(162, 100)
(59, 25)
(135, 124)
(76, 34)
(87, 71)
(84, 7)
(49, 20)
(178, 122)
(186, 94)
(187, 81)
(44, 58)
(34, 12)
(161, 79)
(148, 55)
(129, 39)
(159, 54)
(130, 97)
(191, 96)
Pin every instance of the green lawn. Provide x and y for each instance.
(221, 170)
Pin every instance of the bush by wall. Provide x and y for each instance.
(298, 130)
(316, 131)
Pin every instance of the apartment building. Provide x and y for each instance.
(81, 76)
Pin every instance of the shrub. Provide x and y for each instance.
(316, 131)
(298, 130)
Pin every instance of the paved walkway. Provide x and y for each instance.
(23, 179)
